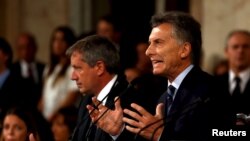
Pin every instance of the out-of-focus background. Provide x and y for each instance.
(40, 17)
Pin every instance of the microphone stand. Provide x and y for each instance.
(166, 120)
(110, 105)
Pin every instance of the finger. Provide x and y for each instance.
(95, 101)
(159, 110)
(140, 109)
(133, 114)
(93, 113)
(131, 129)
(31, 137)
(91, 109)
(131, 122)
(118, 103)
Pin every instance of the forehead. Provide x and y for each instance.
(161, 31)
(13, 119)
(239, 38)
(77, 55)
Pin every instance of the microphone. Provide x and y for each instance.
(90, 127)
(166, 120)
(243, 117)
(109, 105)
(184, 111)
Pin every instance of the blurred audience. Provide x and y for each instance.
(17, 125)
(58, 91)
(64, 122)
(29, 70)
(7, 81)
(221, 67)
(110, 27)
(138, 71)
(135, 61)
(236, 82)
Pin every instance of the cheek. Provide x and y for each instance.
(22, 135)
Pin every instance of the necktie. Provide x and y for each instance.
(91, 132)
(30, 73)
(236, 91)
(169, 98)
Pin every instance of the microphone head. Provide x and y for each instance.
(248, 119)
(241, 116)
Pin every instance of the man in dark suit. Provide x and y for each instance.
(187, 110)
(95, 62)
(237, 51)
(29, 70)
(7, 82)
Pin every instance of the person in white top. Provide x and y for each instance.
(58, 91)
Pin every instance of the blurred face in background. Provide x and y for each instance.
(238, 51)
(60, 130)
(106, 29)
(14, 129)
(144, 62)
(59, 44)
(25, 49)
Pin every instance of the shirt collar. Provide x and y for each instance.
(244, 76)
(106, 90)
(178, 80)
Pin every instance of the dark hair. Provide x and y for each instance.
(114, 21)
(69, 37)
(97, 48)
(6, 49)
(70, 116)
(31, 39)
(27, 118)
(232, 33)
(185, 29)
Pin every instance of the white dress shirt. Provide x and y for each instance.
(244, 76)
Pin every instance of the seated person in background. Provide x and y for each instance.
(63, 123)
(58, 90)
(7, 82)
(29, 70)
(221, 67)
(138, 71)
(17, 125)
(109, 26)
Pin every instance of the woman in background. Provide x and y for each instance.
(18, 124)
(63, 123)
(58, 91)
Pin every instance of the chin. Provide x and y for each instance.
(155, 72)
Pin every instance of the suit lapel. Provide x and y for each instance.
(83, 120)
(184, 95)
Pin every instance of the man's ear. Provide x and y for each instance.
(185, 50)
(100, 67)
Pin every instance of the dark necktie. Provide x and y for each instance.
(169, 98)
(236, 91)
(91, 132)
(30, 73)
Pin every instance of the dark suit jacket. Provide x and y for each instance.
(30, 92)
(134, 94)
(8, 92)
(195, 109)
(240, 105)
(83, 116)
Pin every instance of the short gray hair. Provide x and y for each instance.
(97, 48)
